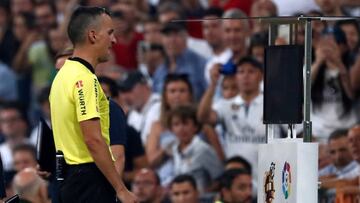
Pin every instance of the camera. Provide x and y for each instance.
(229, 68)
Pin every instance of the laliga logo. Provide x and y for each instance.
(286, 180)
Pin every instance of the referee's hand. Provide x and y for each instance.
(127, 197)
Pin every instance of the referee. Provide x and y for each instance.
(80, 114)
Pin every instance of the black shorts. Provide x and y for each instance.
(85, 183)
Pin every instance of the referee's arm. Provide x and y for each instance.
(100, 153)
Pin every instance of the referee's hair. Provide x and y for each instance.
(183, 178)
(81, 20)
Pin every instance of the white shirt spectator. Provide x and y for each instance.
(244, 127)
(200, 47)
(199, 160)
(290, 7)
(355, 172)
(222, 58)
(142, 121)
(328, 117)
(332, 170)
(7, 157)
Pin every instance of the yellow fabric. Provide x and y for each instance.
(76, 96)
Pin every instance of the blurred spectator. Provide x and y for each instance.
(317, 27)
(15, 130)
(103, 3)
(55, 41)
(241, 116)
(351, 7)
(341, 160)
(24, 157)
(144, 104)
(354, 140)
(351, 28)
(236, 186)
(146, 186)
(30, 187)
(117, 130)
(355, 79)
(8, 84)
(258, 42)
(45, 13)
(332, 93)
(212, 30)
(244, 5)
(236, 33)
(262, 8)
(324, 157)
(330, 7)
(193, 9)
(135, 158)
(20, 6)
(138, 9)
(127, 38)
(351, 178)
(110, 69)
(177, 91)
(42, 57)
(151, 56)
(191, 154)
(61, 57)
(25, 32)
(171, 10)
(8, 43)
(213, 34)
(183, 189)
(291, 7)
(44, 112)
(152, 31)
(24, 29)
(229, 88)
(237, 162)
(180, 59)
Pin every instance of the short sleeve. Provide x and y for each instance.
(86, 98)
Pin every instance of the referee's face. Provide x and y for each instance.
(106, 38)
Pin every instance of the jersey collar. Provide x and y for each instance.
(83, 62)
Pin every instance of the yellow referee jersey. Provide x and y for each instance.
(75, 96)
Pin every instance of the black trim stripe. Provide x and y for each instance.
(83, 62)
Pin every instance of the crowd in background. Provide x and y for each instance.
(192, 92)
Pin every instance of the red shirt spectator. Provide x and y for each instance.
(126, 51)
(244, 5)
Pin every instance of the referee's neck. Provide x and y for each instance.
(86, 55)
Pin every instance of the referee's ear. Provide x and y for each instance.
(92, 36)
